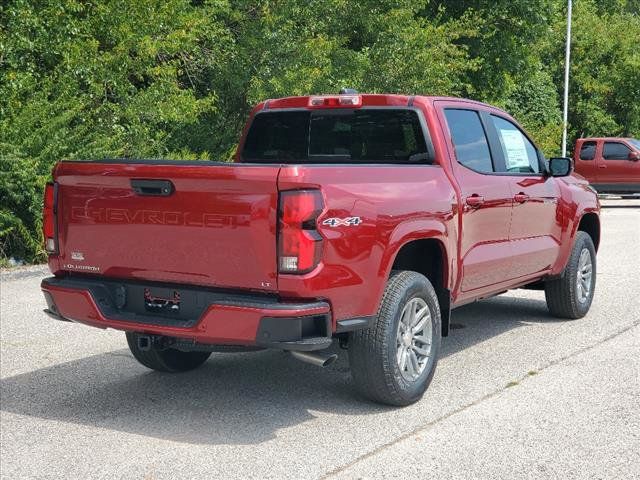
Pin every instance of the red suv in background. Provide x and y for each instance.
(610, 164)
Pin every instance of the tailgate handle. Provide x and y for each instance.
(156, 188)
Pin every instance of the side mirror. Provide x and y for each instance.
(560, 166)
(634, 156)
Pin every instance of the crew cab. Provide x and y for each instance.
(361, 218)
(611, 164)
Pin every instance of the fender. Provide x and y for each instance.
(567, 243)
(574, 196)
(422, 229)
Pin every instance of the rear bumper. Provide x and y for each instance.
(203, 316)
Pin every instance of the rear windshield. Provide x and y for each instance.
(336, 136)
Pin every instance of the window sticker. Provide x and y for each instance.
(515, 149)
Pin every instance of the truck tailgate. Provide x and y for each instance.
(215, 226)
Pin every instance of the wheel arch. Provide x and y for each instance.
(590, 224)
(427, 256)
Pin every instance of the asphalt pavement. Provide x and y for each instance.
(517, 394)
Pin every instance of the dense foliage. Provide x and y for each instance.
(176, 78)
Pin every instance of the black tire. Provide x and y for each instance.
(373, 352)
(165, 360)
(562, 294)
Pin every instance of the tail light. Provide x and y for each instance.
(49, 223)
(299, 243)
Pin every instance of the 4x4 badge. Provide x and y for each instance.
(347, 222)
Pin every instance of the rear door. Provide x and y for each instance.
(585, 159)
(206, 223)
(487, 199)
(535, 228)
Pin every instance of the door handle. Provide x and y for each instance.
(154, 188)
(474, 200)
(602, 166)
(521, 197)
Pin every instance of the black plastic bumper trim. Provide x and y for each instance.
(312, 332)
(352, 324)
(55, 316)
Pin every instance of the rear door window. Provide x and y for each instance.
(336, 136)
(615, 151)
(469, 139)
(588, 151)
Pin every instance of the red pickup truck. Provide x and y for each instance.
(361, 218)
(611, 164)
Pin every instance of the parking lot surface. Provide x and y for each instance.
(517, 394)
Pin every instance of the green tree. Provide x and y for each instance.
(605, 68)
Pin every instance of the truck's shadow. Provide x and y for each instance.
(234, 398)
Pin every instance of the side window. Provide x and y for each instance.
(469, 139)
(588, 151)
(615, 151)
(520, 155)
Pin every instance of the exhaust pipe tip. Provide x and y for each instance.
(317, 359)
(331, 358)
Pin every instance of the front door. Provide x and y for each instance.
(535, 222)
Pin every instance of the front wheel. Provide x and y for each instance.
(571, 295)
(165, 359)
(393, 362)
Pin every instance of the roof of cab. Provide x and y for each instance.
(595, 139)
(368, 100)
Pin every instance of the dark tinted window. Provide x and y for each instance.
(278, 136)
(615, 151)
(588, 151)
(520, 156)
(469, 139)
(320, 136)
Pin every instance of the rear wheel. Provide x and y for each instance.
(164, 359)
(571, 295)
(394, 361)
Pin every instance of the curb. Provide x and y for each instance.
(18, 273)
